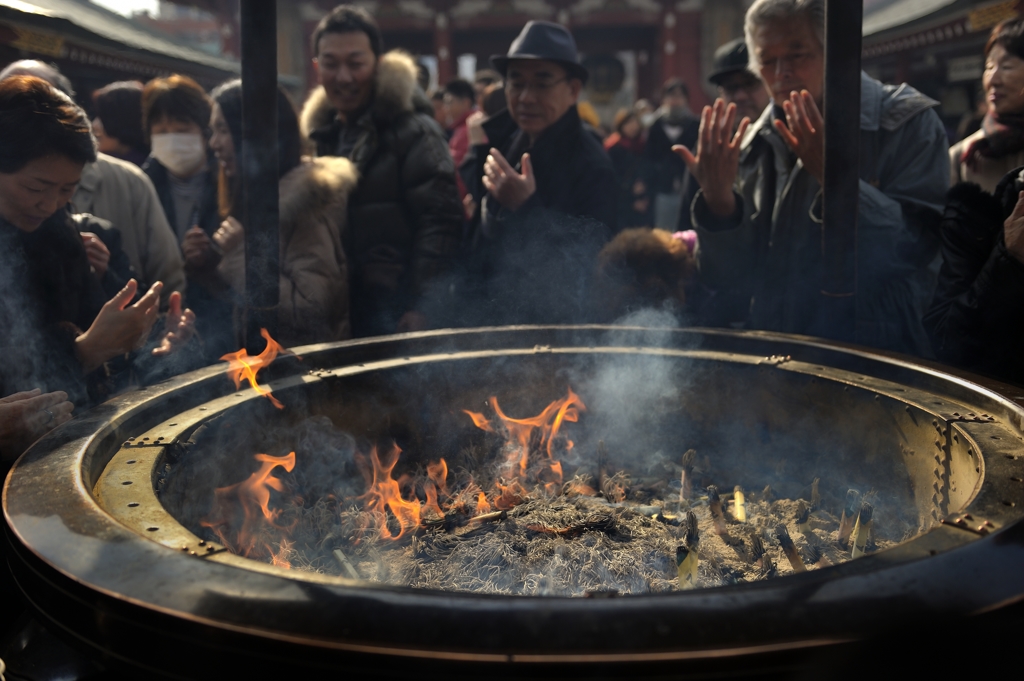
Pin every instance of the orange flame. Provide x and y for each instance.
(385, 495)
(481, 504)
(253, 497)
(243, 366)
(521, 431)
(438, 472)
(431, 502)
(278, 559)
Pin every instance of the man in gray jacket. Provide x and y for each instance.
(758, 213)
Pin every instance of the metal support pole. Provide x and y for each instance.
(840, 200)
(259, 168)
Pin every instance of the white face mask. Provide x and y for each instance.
(182, 153)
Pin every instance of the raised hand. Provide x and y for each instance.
(120, 327)
(229, 235)
(805, 132)
(718, 156)
(26, 416)
(508, 187)
(1013, 230)
(96, 252)
(179, 327)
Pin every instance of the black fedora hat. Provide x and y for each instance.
(543, 40)
(729, 58)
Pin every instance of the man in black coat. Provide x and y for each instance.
(404, 217)
(547, 188)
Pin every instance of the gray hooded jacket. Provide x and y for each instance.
(764, 261)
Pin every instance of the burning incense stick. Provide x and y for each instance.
(686, 555)
(686, 477)
(849, 513)
(861, 531)
(739, 505)
(715, 504)
(786, 542)
(803, 522)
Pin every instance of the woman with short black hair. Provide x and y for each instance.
(60, 333)
(118, 121)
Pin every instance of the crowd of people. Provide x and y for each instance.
(498, 201)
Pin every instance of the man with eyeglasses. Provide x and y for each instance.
(758, 211)
(546, 188)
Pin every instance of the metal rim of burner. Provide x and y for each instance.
(122, 554)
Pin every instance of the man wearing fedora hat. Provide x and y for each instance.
(547, 188)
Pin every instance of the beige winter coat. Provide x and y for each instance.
(314, 305)
(118, 191)
(987, 171)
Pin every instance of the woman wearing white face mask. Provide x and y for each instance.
(175, 118)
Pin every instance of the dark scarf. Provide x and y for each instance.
(1004, 135)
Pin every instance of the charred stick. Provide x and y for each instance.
(757, 551)
(768, 570)
(786, 542)
(489, 517)
(346, 565)
(816, 557)
(848, 517)
(861, 531)
(815, 494)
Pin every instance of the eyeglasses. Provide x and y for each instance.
(541, 87)
(731, 88)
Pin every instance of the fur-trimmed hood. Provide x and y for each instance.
(395, 91)
(317, 187)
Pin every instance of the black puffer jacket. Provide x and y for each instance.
(404, 217)
(976, 320)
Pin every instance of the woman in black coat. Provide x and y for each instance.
(60, 333)
(976, 320)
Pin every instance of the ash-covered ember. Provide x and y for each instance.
(513, 525)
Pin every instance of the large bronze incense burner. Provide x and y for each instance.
(112, 539)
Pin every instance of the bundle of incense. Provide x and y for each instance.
(848, 517)
(686, 477)
(815, 494)
(686, 565)
(766, 493)
(816, 557)
(739, 504)
(768, 570)
(687, 560)
(715, 504)
(786, 542)
(803, 521)
(757, 551)
(861, 531)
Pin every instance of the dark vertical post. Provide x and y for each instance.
(840, 200)
(259, 168)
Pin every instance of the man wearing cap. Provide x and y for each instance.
(547, 187)
(736, 83)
